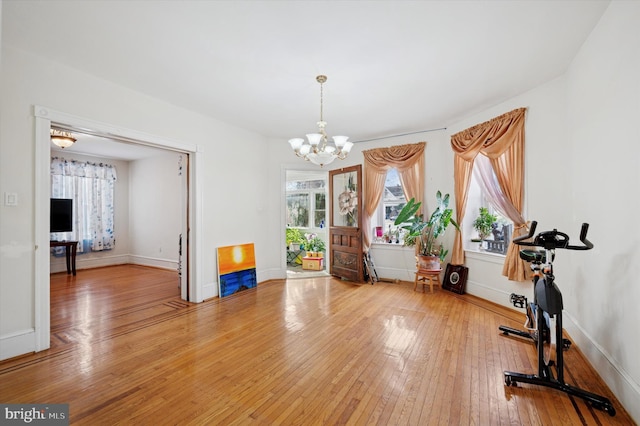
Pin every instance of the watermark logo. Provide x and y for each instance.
(36, 414)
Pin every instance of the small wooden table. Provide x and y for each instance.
(428, 277)
(71, 254)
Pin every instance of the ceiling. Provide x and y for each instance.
(393, 67)
(103, 147)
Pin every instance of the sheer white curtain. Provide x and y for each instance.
(488, 181)
(91, 186)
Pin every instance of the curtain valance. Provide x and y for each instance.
(63, 167)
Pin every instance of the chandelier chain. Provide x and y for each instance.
(321, 101)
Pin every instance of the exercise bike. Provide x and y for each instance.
(546, 314)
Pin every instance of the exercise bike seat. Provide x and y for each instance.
(536, 256)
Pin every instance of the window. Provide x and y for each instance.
(92, 187)
(306, 203)
(479, 195)
(393, 200)
(298, 210)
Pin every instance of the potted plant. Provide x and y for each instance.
(294, 238)
(424, 234)
(316, 245)
(484, 223)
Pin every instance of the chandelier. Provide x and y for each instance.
(61, 138)
(318, 150)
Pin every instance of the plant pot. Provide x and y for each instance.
(294, 246)
(430, 263)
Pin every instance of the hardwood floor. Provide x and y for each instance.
(126, 350)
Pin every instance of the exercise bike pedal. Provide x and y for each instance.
(518, 300)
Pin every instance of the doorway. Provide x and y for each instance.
(143, 181)
(306, 233)
(191, 290)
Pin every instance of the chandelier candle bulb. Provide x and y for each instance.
(314, 138)
(340, 140)
(296, 143)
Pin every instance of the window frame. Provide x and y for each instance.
(312, 193)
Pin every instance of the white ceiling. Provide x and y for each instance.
(393, 66)
(98, 146)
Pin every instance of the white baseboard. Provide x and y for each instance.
(210, 290)
(271, 274)
(18, 343)
(154, 261)
(387, 273)
(60, 265)
(499, 297)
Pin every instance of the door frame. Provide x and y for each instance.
(43, 118)
(297, 167)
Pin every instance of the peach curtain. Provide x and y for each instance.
(408, 160)
(502, 140)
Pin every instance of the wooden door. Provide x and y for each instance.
(345, 223)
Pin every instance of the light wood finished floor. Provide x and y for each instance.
(320, 351)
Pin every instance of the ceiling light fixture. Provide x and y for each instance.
(318, 150)
(62, 139)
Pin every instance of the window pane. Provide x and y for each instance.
(300, 185)
(320, 211)
(320, 201)
(298, 210)
(393, 198)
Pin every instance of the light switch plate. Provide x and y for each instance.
(10, 199)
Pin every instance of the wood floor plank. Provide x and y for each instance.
(126, 350)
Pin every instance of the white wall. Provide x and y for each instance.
(120, 254)
(602, 291)
(155, 210)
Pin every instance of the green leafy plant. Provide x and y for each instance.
(483, 223)
(315, 244)
(294, 235)
(425, 233)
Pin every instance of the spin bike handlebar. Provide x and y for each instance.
(554, 239)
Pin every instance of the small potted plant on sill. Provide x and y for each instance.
(484, 223)
(424, 234)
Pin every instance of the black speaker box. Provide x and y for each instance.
(455, 277)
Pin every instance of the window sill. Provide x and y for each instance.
(392, 246)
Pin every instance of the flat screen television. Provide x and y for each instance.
(61, 215)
